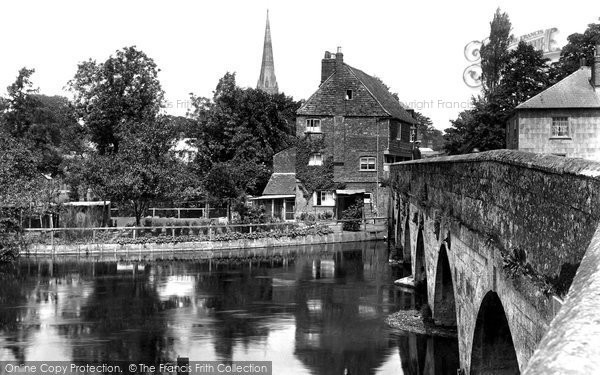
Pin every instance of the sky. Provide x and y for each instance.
(415, 47)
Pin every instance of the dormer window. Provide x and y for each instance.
(313, 125)
(315, 159)
(349, 94)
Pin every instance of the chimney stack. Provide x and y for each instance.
(327, 66)
(339, 57)
(596, 68)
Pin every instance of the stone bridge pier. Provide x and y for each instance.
(496, 239)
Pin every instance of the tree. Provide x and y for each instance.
(47, 124)
(481, 127)
(510, 78)
(429, 135)
(494, 53)
(119, 103)
(579, 46)
(17, 116)
(23, 192)
(122, 90)
(143, 171)
(239, 130)
(525, 74)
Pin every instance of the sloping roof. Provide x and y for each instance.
(281, 184)
(382, 95)
(574, 91)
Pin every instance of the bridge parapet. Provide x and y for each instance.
(572, 344)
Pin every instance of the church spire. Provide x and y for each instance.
(267, 81)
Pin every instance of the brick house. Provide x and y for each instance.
(363, 128)
(563, 119)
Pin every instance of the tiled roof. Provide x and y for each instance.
(574, 91)
(281, 184)
(382, 95)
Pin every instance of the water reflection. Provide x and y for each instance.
(321, 312)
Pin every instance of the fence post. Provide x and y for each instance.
(134, 233)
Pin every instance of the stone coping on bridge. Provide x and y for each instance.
(572, 344)
(545, 162)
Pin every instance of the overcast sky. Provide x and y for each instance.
(416, 47)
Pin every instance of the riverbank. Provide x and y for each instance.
(412, 321)
(198, 249)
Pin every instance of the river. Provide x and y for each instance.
(317, 310)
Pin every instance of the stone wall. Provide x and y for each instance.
(572, 344)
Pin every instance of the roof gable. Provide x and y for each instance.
(382, 95)
(281, 184)
(370, 97)
(574, 91)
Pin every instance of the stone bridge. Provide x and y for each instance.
(496, 239)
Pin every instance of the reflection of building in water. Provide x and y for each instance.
(323, 268)
(335, 326)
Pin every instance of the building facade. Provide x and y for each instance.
(361, 128)
(563, 119)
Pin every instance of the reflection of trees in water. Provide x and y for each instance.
(27, 288)
(121, 319)
(14, 292)
(235, 296)
(339, 324)
(421, 355)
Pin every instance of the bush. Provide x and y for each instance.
(169, 222)
(252, 215)
(327, 215)
(354, 215)
(306, 217)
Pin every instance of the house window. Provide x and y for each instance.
(323, 198)
(367, 163)
(313, 125)
(560, 126)
(367, 198)
(315, 159)
(349, 94)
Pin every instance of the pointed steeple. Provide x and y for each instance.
(267, 81)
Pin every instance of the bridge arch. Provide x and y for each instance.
(493, 351)
(444, 305)
(420, 275)
(407, 246)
